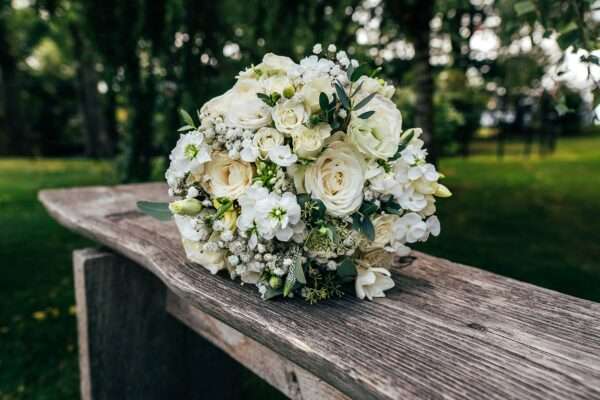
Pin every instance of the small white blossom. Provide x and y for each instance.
(317, 48)
(331, 48)
(282, 155)
(275, 216)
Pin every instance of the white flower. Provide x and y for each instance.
(337, 178)
(275, 84)
(276, 215)
(190, 229)
(214, 261)
(312, 67)
(308, 142)
(317, 48)
(384, 232)
(282, 155)
(312, 89)
(331, 48)
(379, 135)
(246, 110)
(249, 151)
(410, 228)
(273, 64)
(189, 155)
(289, 115)
(371, 85)
(265, 139)
(409, 199)
(217, 106)
(224, 177)
(372, 282)
(433, 226)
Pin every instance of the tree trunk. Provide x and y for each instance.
(414, 17)
(97, 142)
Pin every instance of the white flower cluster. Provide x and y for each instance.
(300, 179)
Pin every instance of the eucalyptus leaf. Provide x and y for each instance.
(186, 128)
(364, 101)
(358, 72)
(357, 89)
(344, 99)
(368, 229)
(323, 102)
(298, 271)
(290, 281)
(187, 118)
(346, 270)
(271, 293)
(356, 222)
(156, 210)
(366, 114)
(368, 208)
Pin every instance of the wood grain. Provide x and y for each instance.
(445, 331)
(131, 348)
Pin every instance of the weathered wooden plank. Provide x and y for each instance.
(445, 331)
(292, 380)
(130, 347)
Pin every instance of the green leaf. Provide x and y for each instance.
(358, 72)
(364, 101)
(344, 99)
(366, 114)
(290, 281)
(568, 35)
(186, 128)
(346, 270)
(156, 210)
(271, 293)
(187, 118)
(368, 208)
(349, 72)
(298, 271)
(357, 89)
(368, 229)
(323, 102)
(356, 222)
(375, 72)
(391, 207)
(524, 7)
(266, 99)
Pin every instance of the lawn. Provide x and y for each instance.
(535, 220)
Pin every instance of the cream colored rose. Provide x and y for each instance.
(383, 225)
(297, 171)
(337, 178)
(312, 90)
(372, 282)
(308, 142)
(246, 110)
(224, 177)
(217, 106)
(273, 64)
(379, 135)
(265, 139)
(214, 261)
(289, 115)
(371, 85)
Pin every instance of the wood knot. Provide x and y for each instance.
(476, 326)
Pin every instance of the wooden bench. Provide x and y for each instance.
(445, 331)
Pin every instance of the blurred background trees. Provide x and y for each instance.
(107, 78)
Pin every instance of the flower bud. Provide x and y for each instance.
(275, 282)
(288, 92)
(442, 191)
(189, 207)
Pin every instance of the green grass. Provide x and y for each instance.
(535, 220)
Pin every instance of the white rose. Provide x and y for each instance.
(337, 178)
(214, 261)
(379, 135)
(245, 109)
(289, 115)
(265, 139)
(217, 105)
(308, 142)
(372, 282)
(312, 90)
(224, 177)
(371, 85)
(276, 84)
(384, 228)
(273, 64)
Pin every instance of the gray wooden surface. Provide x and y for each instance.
(445, 331)
(129, 345)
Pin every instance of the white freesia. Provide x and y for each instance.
(379, 135)
(337, 178)
(289, 115)
(372, 282)
(224, 177)
(282, 155)
(189, 156)
(410, 228)
(308, 142)
(276, 215)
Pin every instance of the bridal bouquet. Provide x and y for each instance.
(301, 181)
